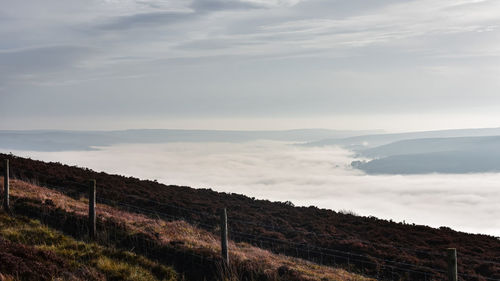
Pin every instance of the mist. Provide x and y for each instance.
(319, 176)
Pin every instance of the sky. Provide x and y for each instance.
(249, 64)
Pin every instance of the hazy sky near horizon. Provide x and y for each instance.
(257, 64)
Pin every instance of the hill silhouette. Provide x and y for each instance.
(434, 155)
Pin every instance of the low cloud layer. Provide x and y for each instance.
(305, 176)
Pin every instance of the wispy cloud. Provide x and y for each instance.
(145, 20)
(252, 57)
(391, 23)
(27, 63)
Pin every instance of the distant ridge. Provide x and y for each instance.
(373, 140)
(59, 140)
(455, 155)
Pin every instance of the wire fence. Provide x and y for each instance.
(372, 266)
(300, 249)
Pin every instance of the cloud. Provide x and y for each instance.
(156, 16)
(203, 6)
(29, 62)
(216, 58)
(145, 19)
(274, 3)
(386, 24)
(305, 176)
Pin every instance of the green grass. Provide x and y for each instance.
(111, 263)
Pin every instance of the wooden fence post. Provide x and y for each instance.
(452, 264)
(223, 236)
(92, 219)
(6, 186)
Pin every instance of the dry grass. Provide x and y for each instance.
(184, 235)
(31, 251)
(6, 277)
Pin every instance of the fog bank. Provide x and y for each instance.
(320, 176)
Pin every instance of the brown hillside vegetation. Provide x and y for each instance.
(30, 263)
(186, 240)
(365, 244)
(31, 251)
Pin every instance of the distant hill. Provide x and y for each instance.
(445, 151)
(358, 143)
(449, 162)
(431, 145)
(54, 140)
(435, 155)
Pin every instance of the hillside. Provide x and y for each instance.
(434, 155)
(430, 145)
(364, 244)
(31, 251)
(193, 252)
(447, 162)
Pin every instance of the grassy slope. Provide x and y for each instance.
(32, 251)
(164, 235)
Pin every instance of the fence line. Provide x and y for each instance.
(260, 239)
(338, 251)
(256, 237)
(336, 237)
(318, 252)
(265, 226)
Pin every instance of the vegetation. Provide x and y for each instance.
(194, 252)
(32, 251)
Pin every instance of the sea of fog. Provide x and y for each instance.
(319, 176)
